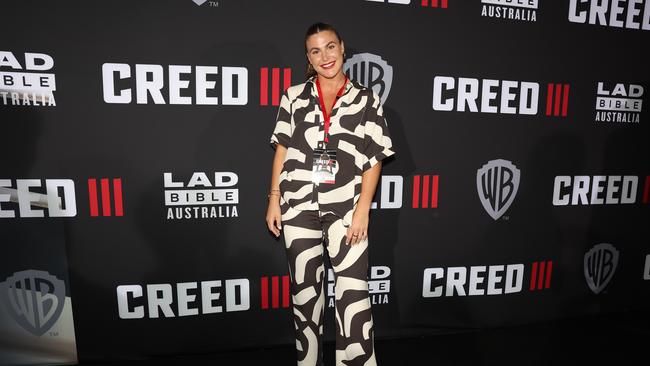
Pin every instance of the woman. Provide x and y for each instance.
(330, 138)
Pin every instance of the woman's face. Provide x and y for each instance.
(325, 53)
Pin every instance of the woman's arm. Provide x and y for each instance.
(273, 213)
(361, 215)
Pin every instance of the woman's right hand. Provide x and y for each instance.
(274, 216)
(273, 212)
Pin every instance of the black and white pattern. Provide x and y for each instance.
(317, 215)
(305, 232)
(358, 132)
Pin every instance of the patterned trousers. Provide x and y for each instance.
(305, 233)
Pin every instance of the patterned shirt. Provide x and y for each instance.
(358, 131)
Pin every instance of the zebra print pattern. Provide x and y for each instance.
(358, 132)
(305, 232)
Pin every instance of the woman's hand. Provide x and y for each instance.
(274, 215)
(273, 212)
(358, 231)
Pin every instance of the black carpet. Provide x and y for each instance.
(610, 339)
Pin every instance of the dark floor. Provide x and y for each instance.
(613, 340)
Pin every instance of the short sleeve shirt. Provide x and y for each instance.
(358, 131)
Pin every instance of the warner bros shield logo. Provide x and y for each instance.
(600, 264)
(372, 71)
(35, 299)
(497, 183)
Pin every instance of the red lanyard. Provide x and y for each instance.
(322, 105)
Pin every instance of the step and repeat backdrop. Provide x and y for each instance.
(136, 162)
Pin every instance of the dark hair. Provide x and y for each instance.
(313, 29)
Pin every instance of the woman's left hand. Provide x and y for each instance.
(358, 231)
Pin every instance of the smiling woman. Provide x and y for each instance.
(334, 48)
(330, 138)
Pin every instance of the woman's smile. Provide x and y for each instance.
(328, 65)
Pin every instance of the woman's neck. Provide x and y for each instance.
(333, 84)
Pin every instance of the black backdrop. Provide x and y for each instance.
(132, 145)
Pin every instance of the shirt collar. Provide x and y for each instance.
(314, 91)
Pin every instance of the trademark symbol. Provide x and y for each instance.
(53, 334)
(505, 218)
(213, 4)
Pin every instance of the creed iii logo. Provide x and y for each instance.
(600, 264)
(497, 183)
(372, 71)
(35, 299)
